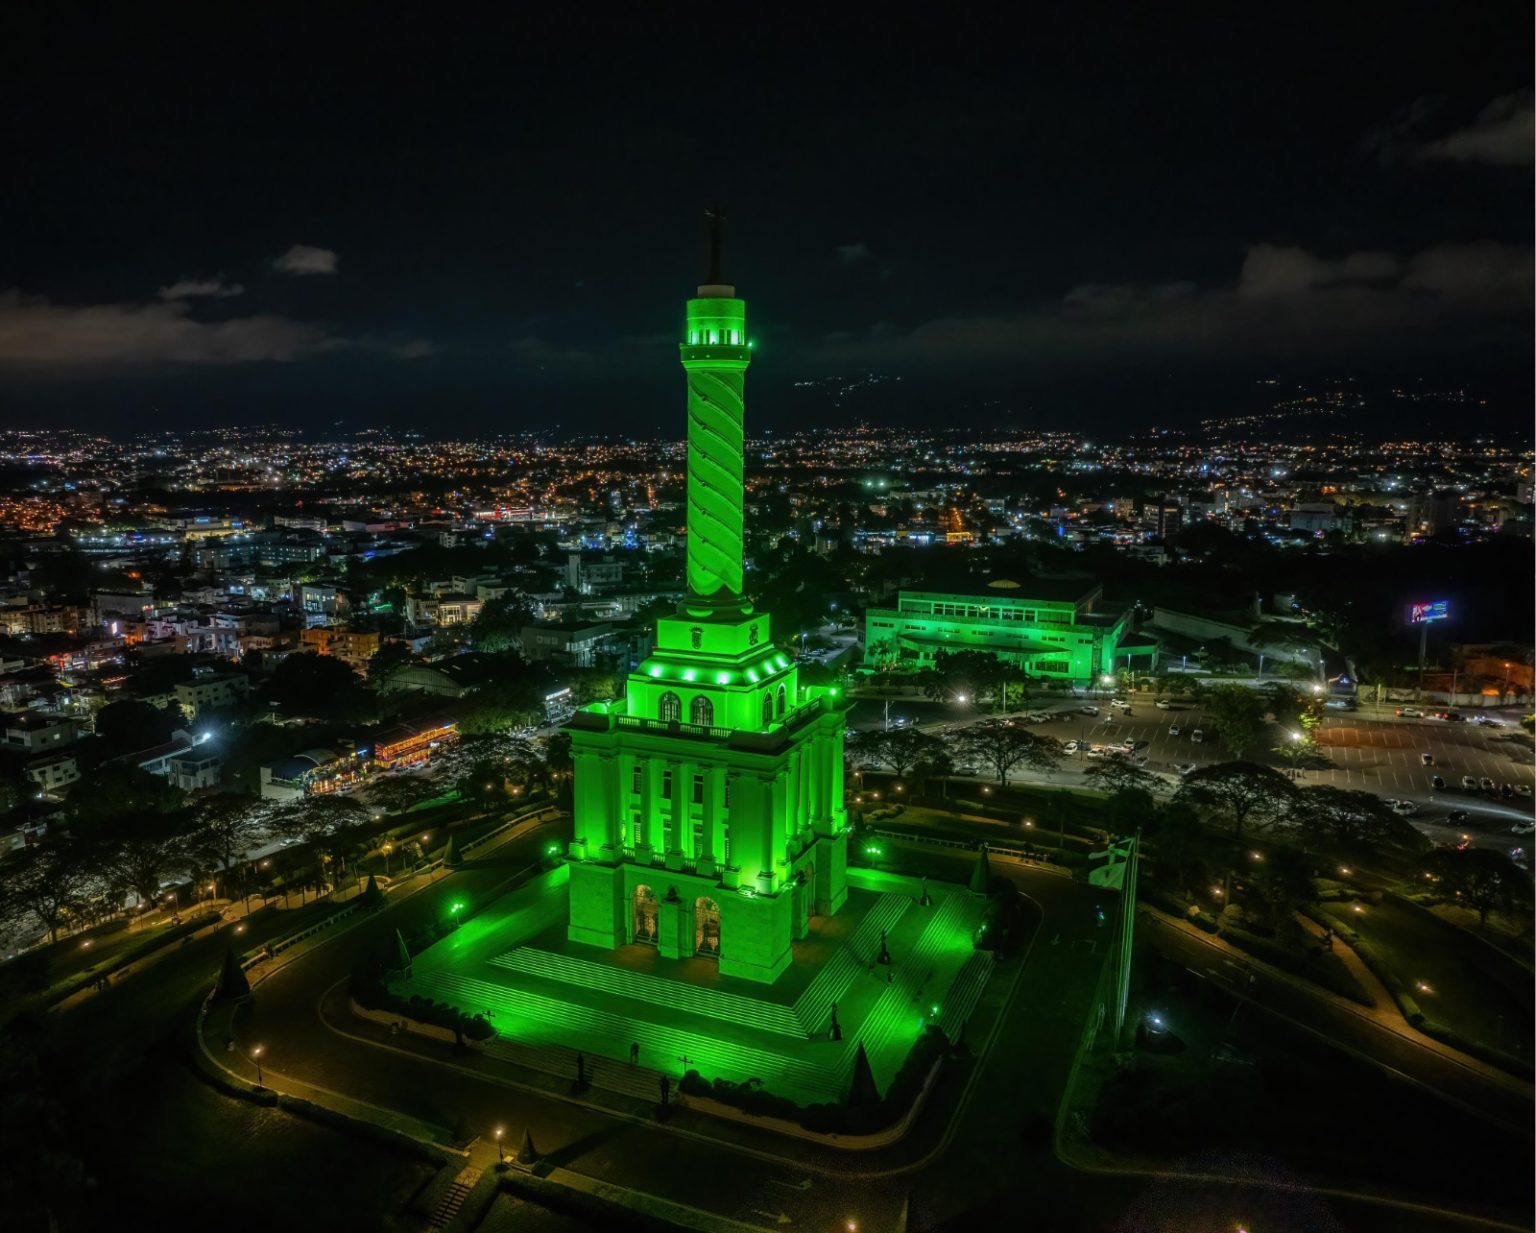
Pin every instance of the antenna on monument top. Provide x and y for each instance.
(714, 213)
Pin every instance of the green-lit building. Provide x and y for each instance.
(709, 814)
(1048, 629)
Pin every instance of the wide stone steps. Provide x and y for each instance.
(638, 987)
(964, 993)
(902, 1011)
(813, 1008)
(528, 1017)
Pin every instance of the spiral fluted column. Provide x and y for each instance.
(715, 354)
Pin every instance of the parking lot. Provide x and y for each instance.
(1382, 755)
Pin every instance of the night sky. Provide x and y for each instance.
(298, 219)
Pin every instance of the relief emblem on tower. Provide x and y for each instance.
(696, 637)
(752, 635)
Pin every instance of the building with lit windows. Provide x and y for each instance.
(353, 647)
(709, 814)
(1049, 630)
(409, 744)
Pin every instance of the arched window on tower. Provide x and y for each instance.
(671, 708)
(767, 709)
(782, 697)
(701, 711)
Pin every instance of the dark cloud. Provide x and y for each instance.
(1504, 134)
(852, 254)
(306, 259)
(1283, 298)
(36, 333)
(193, 288)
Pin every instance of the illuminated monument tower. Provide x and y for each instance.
(709, 813)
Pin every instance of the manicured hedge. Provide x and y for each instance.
(840, 1118)
(372, 993)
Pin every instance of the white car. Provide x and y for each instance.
(1197, 736)
(1468, 784)
(1038, 717)
(966, 770)
(1120, 704)
(1163, 704)
(1088, 710)
(1404, 809)
(1073, 746)
(1173, 729)
(1487, 721)
(1186, 768)
(1096, 752)
(1522, 789)
(1523, 828)
(1486, 784)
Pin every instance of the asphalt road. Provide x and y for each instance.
(1503, 1098)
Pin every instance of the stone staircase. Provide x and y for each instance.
(808, 1016)
(965, 992)
(639, 987)
(448, 1206)
(813, 1008)
(529, 1018)
(904, 1007)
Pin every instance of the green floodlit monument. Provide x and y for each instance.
(704, 917)
(709, 814)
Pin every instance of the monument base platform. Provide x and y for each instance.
(514, 963)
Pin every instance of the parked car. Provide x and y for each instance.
(1163, 704)
(1074, 746)
(1185, 768)
(1436, 783)
(1427, 758)
(1410, 712)
(1506, 791)
(1523, 828)
(966, 770)
(1120, 704)
(1456, 815)
(1485, 784)
(1038, 717)
(1129, 745)
(1522, 789)
(1173, 729)
(1088, 710)
(1197, 736)
(1468, 784)
(1096, 751)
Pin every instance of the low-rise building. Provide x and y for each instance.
(33, 732)
(52, 771)
(1048, 629)
(353, 647)
(409, 744)
(215, 692)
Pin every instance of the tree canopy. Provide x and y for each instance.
(1242, 791)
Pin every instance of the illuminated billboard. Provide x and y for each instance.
(1437, 610)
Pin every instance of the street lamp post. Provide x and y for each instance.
(501, 1156)
(256, 1052)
